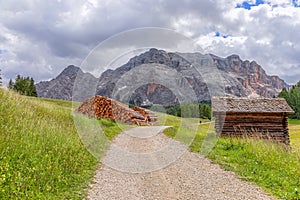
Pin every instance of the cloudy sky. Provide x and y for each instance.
(40, 38)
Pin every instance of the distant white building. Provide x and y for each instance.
(146, 103)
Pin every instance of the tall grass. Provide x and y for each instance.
(274, 167)
(294, 132)
(41, 154)
(271, 166)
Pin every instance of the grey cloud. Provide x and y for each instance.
(292, 78)
(58, 34)
(133, 42)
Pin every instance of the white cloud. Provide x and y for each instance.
(41, 38)
(264, 33)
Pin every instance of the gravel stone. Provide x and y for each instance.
(143, 163)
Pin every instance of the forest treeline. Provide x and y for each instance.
(23, 85)
(292, 97)
(187, 110)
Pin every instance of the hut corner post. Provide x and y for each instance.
(219, 121)
(285, 128)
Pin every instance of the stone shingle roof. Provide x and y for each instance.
(250, 105)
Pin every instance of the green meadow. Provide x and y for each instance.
(41, 154)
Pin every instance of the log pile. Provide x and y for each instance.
(150, 116)
(105, 108)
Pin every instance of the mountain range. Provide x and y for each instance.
(161, 77)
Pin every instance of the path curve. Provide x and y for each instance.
(142, 163)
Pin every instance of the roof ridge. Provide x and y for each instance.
(242, 104)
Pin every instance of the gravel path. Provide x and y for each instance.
(143, 163)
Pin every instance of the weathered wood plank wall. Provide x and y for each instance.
(271, 126)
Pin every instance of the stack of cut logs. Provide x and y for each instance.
(105, 108)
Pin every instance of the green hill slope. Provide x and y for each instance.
(41, 155)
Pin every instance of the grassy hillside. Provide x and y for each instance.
(271, 166)
(41, 155)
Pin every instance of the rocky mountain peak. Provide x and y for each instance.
(69, 71)
(71, 68)
(61, 87)
(241, 78)
(234, 57)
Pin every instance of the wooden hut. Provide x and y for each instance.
(257, 117)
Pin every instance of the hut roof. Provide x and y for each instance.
(250, 105)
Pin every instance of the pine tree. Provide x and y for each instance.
(295, 101)
(32, 88)
(292, 97)
(298, 84)
(284, 94)
(23, 85)
(207, 111)
(10, 84)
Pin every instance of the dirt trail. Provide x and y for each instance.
(143, 163)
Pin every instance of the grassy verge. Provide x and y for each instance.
(294, 131)
(271, 166)
(183, 129)
(294, 121)
(41, 154)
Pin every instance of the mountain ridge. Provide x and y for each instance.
(241, 78)
(61, 87)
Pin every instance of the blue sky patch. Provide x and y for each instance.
(248, 6)
(3, 51)
(295, 3)
(218, 34)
